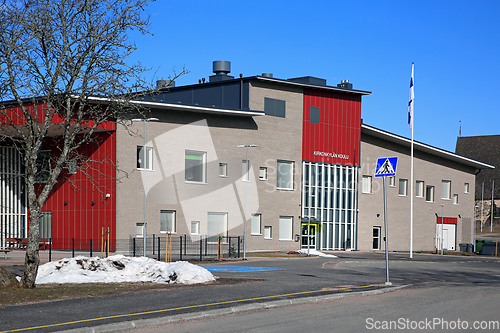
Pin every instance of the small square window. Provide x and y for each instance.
(255, 225)
(263, 173)
(145, 162)
(268, 232)
(167, 221)
(455, 199)
(403, 187)
(367, 184)
(195, 227)
(223, 169)
(419, 189)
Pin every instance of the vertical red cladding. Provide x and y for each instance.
(336, 139)
(84, 204)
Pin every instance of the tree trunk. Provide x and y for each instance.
(32, 258)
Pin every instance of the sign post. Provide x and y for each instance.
(386, 167)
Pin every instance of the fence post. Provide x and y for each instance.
(153, 244)
(201, 248)
(50, 249)
(91, 247)
(229, 241)
(180, 249)
(73, 248)
(107, 247)
(159, 248)
(133, 247)
(206, 246)
(238, 246)
(185, 244)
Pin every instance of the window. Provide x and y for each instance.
(195, 166)
(145, 162)
(392, 181)
(274, 107)
(256, 220)
(455, 199)
(43, 166)
(46, 225)
(285, 175)
(245, 170)
(376, 238)
(195, 227)
(71, 166)
(466, 188)
(268, 232)
(263, 173)
(285, 226)
(367, 184)
(223, 169)
(314, 115)
(139, 230)
(403, 187)
(446, 189)
(419, 189)
(429, 193)
(167, 221)
(216, 224)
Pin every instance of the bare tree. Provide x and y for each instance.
(63, 70)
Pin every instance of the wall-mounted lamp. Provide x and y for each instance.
(378, 215)
(93, 203)
(65, 203)
(108, 195)
(459, 216)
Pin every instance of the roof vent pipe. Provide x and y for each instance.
(221, 67)
(269, 75)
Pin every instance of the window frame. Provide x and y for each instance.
(466, 188)
(405, 181)
(274, 107)
(315, 112)
(365, 182)
(279, 164)
(261, 169)
(245, 170)
(281, 231)
(422, 189)
(223, 170)
(197, 223)
(431, 187)
(43, 166)
(455, 198)
(149, 158)
(203, 155)
(392, 181)
(266, 229)
(259, 222)
(174, 222)
(448, 190)
(379, 237)
(141, 225)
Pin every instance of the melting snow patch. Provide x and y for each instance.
(317, 253)
(119, 268)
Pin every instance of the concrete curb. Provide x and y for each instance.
(224, 311)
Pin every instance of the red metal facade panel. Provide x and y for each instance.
(78, 202)
(336, 139)
(447, 220)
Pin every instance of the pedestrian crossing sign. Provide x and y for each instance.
(386, 166)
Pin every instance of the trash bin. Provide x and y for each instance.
(489, 249)
(463, 247)
(470, 248)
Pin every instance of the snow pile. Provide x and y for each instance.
(317, 253)
(119, 268)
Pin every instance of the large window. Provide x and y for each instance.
(256, 222)
(314, 115)
(43, 166)
(274, 107)
(216, 224)
(367, 184)
(144, 162)
(285, 175)
(403, 187)
(429, 193)
(286, 230)
(167, 221)
(446, 189)
(195, 170)
(419, 189)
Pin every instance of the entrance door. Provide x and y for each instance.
(449, 232)
(311, 234)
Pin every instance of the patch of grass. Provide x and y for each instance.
(51, 292)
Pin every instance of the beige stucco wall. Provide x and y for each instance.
(218, 136)
(430, 169)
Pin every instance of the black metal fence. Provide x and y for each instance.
(177, 247)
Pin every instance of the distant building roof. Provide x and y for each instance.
(484, 148)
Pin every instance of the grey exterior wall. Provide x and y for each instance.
(428, 168)
(218, 136)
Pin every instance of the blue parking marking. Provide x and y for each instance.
(237, 269)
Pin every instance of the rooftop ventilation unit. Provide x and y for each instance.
(269, 75)
(160, 84)
(221, 68)
(315, 81)
(345, 84)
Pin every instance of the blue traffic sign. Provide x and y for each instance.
(386, 166)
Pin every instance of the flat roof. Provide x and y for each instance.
(424, 147)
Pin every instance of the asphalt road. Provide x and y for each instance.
(296, 277)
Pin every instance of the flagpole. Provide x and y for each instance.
(410, 110)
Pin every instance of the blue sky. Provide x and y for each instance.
(454, 45)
